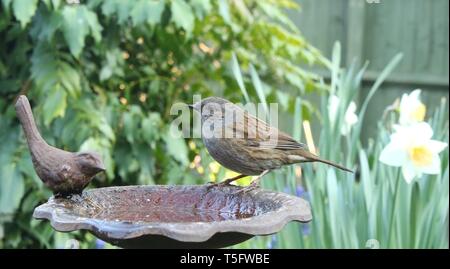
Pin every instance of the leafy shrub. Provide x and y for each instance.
(103, 75)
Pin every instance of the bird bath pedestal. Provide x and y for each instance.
(174, 216)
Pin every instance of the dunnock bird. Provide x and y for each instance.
(63, 172)
(246, 144)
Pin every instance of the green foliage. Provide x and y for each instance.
(103, 76)
(24, 10)
(78, 22)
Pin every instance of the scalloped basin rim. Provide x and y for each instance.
(271, 211)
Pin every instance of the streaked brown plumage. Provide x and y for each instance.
(63, 172)
(255, 148)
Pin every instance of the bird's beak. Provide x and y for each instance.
(191, 106)
(101, 168)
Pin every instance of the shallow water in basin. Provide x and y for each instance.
(165, 204)
(168, 215)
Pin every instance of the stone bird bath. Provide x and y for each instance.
(174, 216)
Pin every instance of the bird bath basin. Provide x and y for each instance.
(174, 216)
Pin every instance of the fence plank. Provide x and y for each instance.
(377, 32)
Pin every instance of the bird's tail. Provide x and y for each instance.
(25, 115)
(317, 159)
(310, 157)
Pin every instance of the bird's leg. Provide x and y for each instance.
(227, 181)
(255, 184)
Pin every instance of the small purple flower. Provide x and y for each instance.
(302, 193)
(287, 189)
(305, 229)
(99, 244)
(299, 191)
(272, 243)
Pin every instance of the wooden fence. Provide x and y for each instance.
(375, 32)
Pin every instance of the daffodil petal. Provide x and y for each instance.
(434, 168)
(423, 130)
(409, 172)
(351, 107)
(401, 136)
(393, 155)
(412, 110)
(333, 105)
(436, 146)
(345, 129)
(397, 127)
(351, 118)
(415, 95)
(405, 107)
(403, 101)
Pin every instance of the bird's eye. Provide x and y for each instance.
(86, 156)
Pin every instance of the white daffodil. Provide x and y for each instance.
(350, 117)
(412, 149)
(412, 110)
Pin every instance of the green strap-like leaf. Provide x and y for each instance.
(238, 76)
(259, 88)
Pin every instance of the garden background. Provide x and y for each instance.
(103, 75)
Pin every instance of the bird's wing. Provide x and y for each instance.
(258, 133)
(64, 172)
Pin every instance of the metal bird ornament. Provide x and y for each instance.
(252, 146)
(64, 172)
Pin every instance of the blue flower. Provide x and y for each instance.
(299, 191)
(305, 228)
(99, 244)
(287, 189)
(272, 243)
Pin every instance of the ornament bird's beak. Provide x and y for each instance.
(101, 167)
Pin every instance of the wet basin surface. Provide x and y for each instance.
(165, 204)
(197, 216)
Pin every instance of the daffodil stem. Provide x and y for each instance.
(394, 206)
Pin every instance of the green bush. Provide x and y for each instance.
(103, 75)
